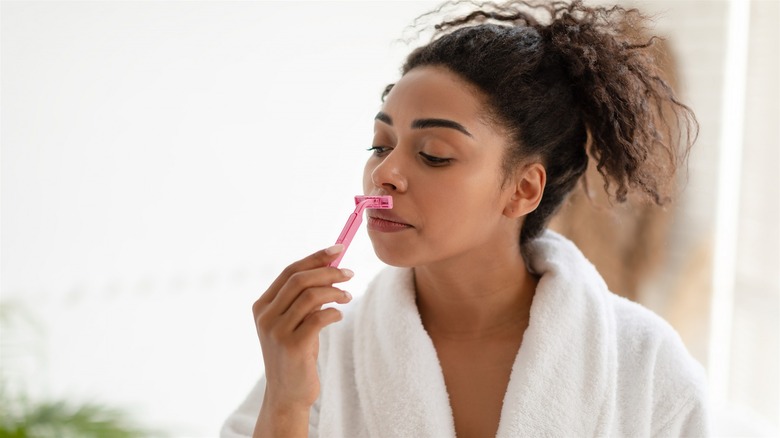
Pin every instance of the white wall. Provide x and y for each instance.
(161, 162)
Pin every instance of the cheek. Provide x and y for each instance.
(451, 201)
(464, 205)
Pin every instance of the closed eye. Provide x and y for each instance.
(435, 161)
(379, 150)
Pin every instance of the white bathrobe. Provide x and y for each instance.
(591, 364)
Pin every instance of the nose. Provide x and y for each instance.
(389, 174)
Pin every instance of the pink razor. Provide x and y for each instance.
(353, 223)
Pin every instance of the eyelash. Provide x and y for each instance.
(435, 161)
(378, 150)
(432, 160)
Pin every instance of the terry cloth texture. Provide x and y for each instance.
(591, 364)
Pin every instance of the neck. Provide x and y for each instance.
(475, 296)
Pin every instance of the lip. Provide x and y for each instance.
(386, 221)
(387, 216)
(385, 226)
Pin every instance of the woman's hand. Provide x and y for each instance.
(289, 318)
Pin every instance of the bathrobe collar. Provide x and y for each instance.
(563, 377)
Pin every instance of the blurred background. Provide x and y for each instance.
(163, 161)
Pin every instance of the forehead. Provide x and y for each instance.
(433, 91)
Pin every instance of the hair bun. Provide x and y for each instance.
(570, 81)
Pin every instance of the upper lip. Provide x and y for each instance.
(386, 215)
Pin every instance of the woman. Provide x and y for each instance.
(486, 324)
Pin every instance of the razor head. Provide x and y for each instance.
(376, 202)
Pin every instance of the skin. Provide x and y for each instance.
(473, 290)
(288, 319)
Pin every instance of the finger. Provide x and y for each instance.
(314, 323)
(311, 300)
(300, 281)
(318, 259)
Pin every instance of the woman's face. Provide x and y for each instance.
(441, 162)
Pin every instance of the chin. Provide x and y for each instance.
(397, 257)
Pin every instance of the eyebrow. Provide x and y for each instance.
(427, 123)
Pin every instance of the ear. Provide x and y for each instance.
(526, 190)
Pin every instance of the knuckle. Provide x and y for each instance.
(258, 307)
(296, 280)
(290, 270)
(316, 318)
(326, 316)
(264, 321)
(308, 297)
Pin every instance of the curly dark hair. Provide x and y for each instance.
(568, 81)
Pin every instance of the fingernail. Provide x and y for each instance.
(348, 273)
(348, 295)
(335, 249)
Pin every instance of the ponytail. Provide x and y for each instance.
(567, 82)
